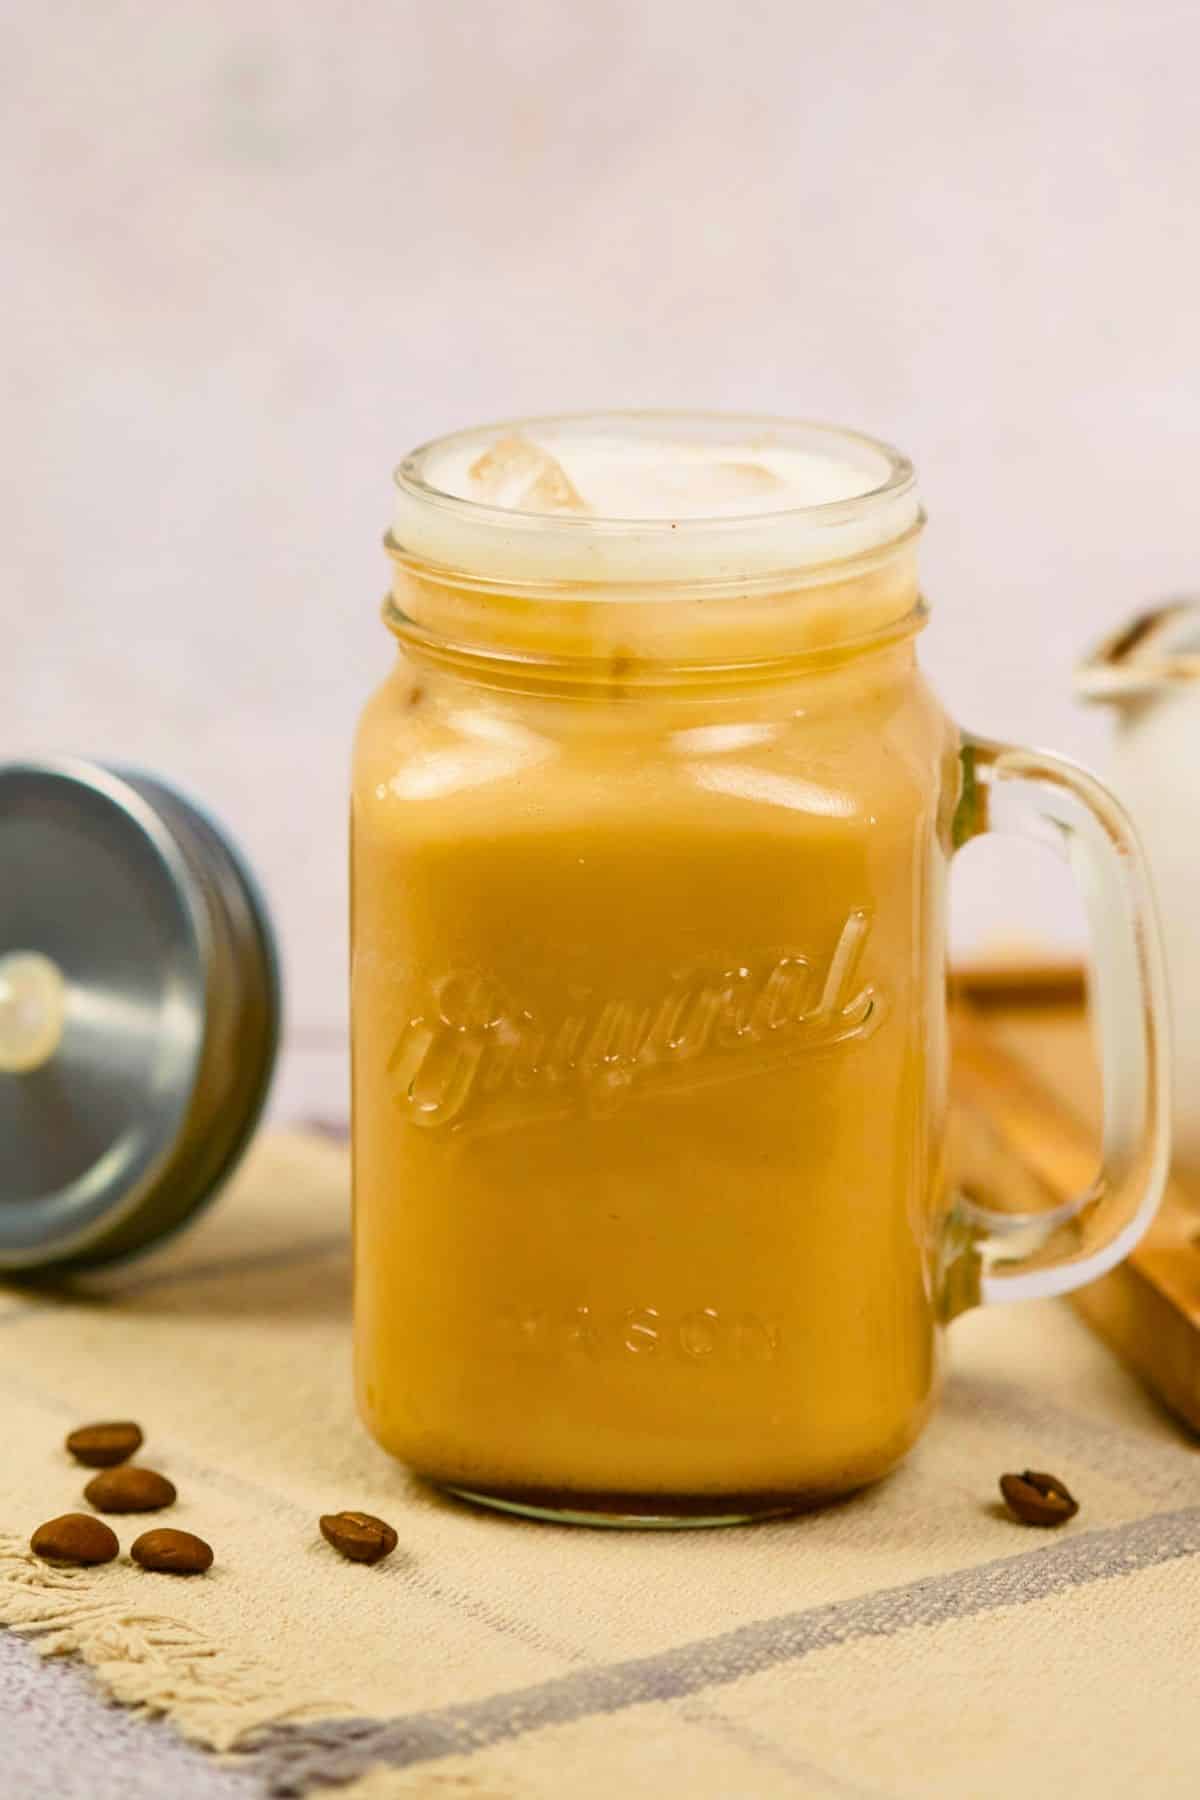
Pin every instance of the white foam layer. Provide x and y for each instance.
(613, 499)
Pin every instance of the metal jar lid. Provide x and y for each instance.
(139, 1012)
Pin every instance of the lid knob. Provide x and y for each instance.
(33, 998)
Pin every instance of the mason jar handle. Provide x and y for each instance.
(1019, 1256)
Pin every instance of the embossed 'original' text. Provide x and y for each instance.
(473, 1055)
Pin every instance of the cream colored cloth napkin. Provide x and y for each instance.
(911, 1642)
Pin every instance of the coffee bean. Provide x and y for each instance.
(172, 1553)
(129, 1489)
(100, 1446)
(359, 1536)
(1037, 1498)
(75, 1538)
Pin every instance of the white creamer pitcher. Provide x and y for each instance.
(1150, 673)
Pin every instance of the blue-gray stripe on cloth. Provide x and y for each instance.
(302, 1758)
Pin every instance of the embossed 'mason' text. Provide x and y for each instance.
(704, 1336)
(473, 1055)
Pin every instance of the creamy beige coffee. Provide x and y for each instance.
(649, 859)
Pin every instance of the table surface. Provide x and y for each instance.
(67, 1742)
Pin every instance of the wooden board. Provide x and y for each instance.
(1026, 1106)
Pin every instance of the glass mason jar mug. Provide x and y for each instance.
(654, 1221)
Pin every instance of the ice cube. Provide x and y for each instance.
(522, 477)
(727, 487)
(672, 482)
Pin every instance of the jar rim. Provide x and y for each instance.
(865, 500)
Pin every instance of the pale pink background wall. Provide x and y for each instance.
(254, 251)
